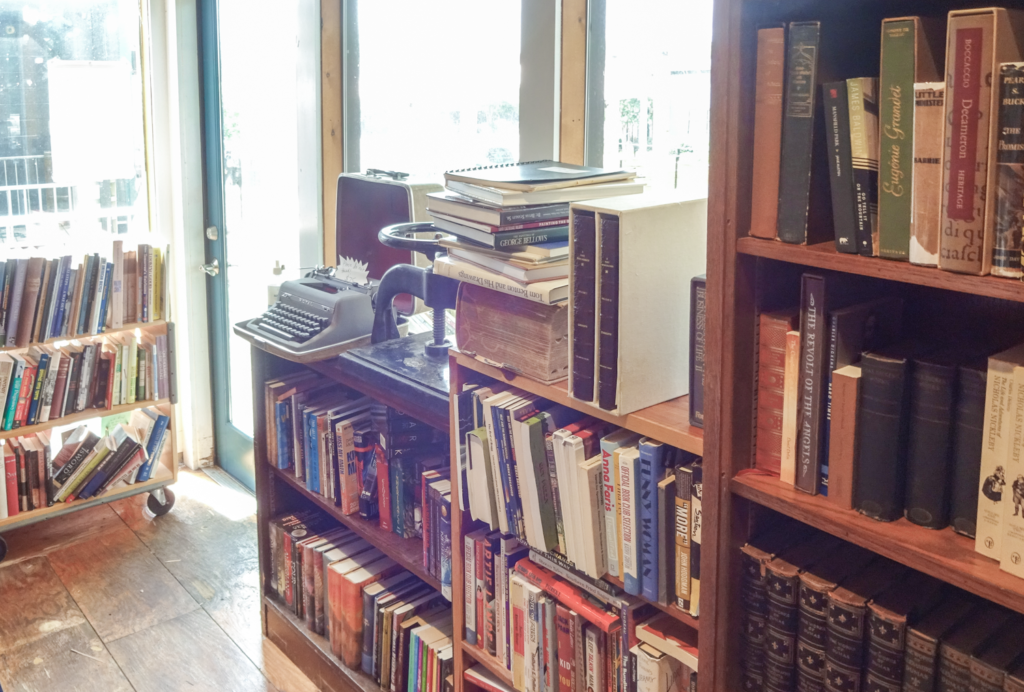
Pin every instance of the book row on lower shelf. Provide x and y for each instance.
(41, 469)
(365, 458)
(598, 499)
(821, 614)
(378, 617)
(892, 425)
(551, 634)
(44, 299)
(45, 383)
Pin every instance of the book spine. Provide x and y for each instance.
(790, 404)
(608, 314)
(844, 651)
(896, 115)
(647, 496)
(627, 500)
(1013, 523)
(999, 398)
(11, 482)
(567, 594)
(30, 300)
(754, 598)
(812, 638)
(882, 437)
(954, 670)
(863, 100)
(771, 71)
(840, 165)
(445, 559)
(830, 367)
(37, 390)
(566, 649)
(517, 603)
(968, 440)
(929, 99)
(798, 131)
(13, 316)
(491, 548)
(684, 485)
(781, 631)
(965, 171)
(549, 642)
(469, 563)
(813, 323)
(885, 657)
(584, 305)
(696, 522)
(932, 390)
(842, 446)
(771, 371)
(667, 539)
(550, 213)
(698, 335)
(1009, 172)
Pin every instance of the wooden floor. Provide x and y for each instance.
(110, 600)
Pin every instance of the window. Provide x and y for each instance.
(649, 90)
(72, 144)
(431, 86)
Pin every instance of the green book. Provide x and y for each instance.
(906, 58)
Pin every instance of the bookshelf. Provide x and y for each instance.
(155, 324)
(748, 274)
(164, 474)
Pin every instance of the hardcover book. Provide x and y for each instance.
(888, 616)
(862, 96)
(771, 69)
(929, 101)
(583, 292)
(932, 390)
(842, 444)
(790, 395)
(1009, 155)
(968, 428)
(771, 369)
(840, 165)
(965, 641)
(921, 653)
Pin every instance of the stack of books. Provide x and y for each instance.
(40, 471)
(378, 618)
(44, 299)
(512, 223)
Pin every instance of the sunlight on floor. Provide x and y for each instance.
(236, 505)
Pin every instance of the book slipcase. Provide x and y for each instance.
(748, 276)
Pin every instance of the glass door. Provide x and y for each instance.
(261, 72)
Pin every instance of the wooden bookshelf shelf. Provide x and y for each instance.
(825, 256)
(942, 554)
(487, 661)
(312, 652)
(87, 414)
(673, 610)
(87, 337)
(408, 552)
(668, 422)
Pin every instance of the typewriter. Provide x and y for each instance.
(317, 316)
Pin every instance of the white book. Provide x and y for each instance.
(558, 439)
(593, 659)
(575, 455)
(516, 198)
(88, 357)
(6, 368)
(482, 494)
(1012, 552)
(531, 649)
(94, 326)
(526, 474)
(492, 452)
(628, 497)
(996, 437)
(545, 292)
(517, 606)
(656, 671)
(117, 291)
(609, 443)
(591, 488)
(469, 580)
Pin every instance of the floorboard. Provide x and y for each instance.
(70, 660)
(153, 658)
(60, 532)
(34, 604)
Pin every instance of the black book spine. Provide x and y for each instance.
(698, 334)
(74, 375)
(865, 161)
(798, 131)
(919, 666)
(813, 330)
(844, 652)
(886, 643)
(755, 625)
(811, 639)
(42, 329)
(881, 437)
(954, 670)
(608, 337)
(969, 420)
(783, 615)
(840, 165)
(492, 549)
(20, 464)
(1009, 173)
(530, 236)
(584, 287)
(31, 478)
(530, 215)
(932, 388)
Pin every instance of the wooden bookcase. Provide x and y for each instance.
(747, 274)
(165, 473)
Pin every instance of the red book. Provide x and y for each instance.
(59, 385)
(566, 650)
(383, 489)
(771, 369)
(28, 380)
(11, 477)
(567, 594)
(485, 680)
(479, 563)
(346, 597)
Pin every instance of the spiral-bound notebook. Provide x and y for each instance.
(530, 176)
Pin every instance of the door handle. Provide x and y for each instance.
(213, 268)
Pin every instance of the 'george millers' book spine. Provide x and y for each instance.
(862, 95)
(584, 304)
(840, 165)
(1006, 243)
(798, 131)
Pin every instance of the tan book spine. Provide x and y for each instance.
(842, 441)
(30, 296)
(1012, 549)
(790, 394)
(771, 59)
(929, 102)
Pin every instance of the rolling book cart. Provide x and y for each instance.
(748, 275)
(165, 473)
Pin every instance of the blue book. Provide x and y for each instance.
(64, 269)
(651, 472)
(14, 304)
(108, 273)
(501, 441)
(312, 453)
(282, 414)
(12, 395)
(154, 445)
(37, 390)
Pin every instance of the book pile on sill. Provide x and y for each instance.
(511, 223)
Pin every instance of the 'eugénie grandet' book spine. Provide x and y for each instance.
(698, 335)
(968, 429)
(862, 95)
(771, 75)
(584, 297)
(932, 391)
(1006, 243)
(798, 131)
(608, 311)
(840, 165)
(813, 326)
(882, 436)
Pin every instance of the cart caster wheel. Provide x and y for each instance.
(157, 508)
(3, 549)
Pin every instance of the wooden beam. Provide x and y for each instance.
(572, 128)
(331, 119)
